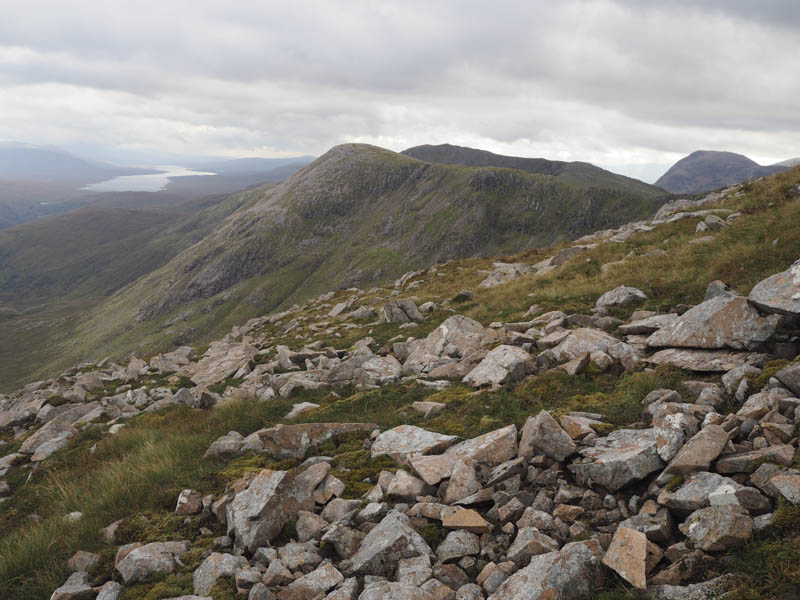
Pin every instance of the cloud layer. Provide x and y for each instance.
(624, 84)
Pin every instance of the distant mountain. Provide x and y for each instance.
(791, 162)
(706, 170)
(25, 162)
(574, 173)
(240, 166)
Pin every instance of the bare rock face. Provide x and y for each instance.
(779, 293)
(726, 321)
(407, 441)
(148, 559)
(503, 364)
(694, 494)
(627, 555)
(222, 360)
(621, 296)
(212, 568)
(395, 591)
(566, 575)
(312, 585)
(491, 448)
(593, 341)
(699, 452)
(707, 361)
(718, 528)
(543, 435)
(623, 456)
(293, 441)
(504, 272)
(454, 339)
(400, 311)
(790, 377)
(387, 543)
(256, 515)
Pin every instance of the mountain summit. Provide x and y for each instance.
(706, 170)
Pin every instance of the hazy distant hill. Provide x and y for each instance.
(706, 170)
(238, 166)
(39, 163)
(575, 173)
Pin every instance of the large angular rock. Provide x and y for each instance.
(707, 361)
(623, 456)
(387, 543)
(432, 469)
(257, 515)
(491, 448)
(714, 589)
(293, 441)
(592, 341)
(627, 555)
(51, 437)
(620, 296)
(455, 338)
(148, 559)
(530, 542)
(222, 360)
(76, 587)
(504, 272)
(790, 377)
(647, 325)
(395, 591)
(212, 568)
(694, 494)
(380, 370)
(457, 544)
(779, 293)
(718, 528)
(407, 441)
(788, 486)
(700, 451)
(726, 321)
(566, 575)
(311, 585)
(543, 435)
(503, 364)
(400, 312)
(745, 462)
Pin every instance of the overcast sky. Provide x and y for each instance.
(632, 85)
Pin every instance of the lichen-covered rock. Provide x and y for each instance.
(567, 575)
(543, 435)
(395, 591)
(491, 448)
(406, 441)
(745, 462)
(621, 296)
(700, 451)
(726, 321)
(779, 293)
(76, 587)
(311, 585)
(707, 361)
(148, 559)
(627, 555)
(454, 339)
(623, 456)
(212, 568)
(503, 364)
(293, 441)
(695, 491)
(718, 528)
(387, 543)
(594, 341)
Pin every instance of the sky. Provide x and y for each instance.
(631, 85)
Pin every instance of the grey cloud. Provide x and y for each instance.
(624, 82)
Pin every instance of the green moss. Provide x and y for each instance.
(56, 400)
(786, 518)
(431, 533)
(224, 589)
(768, 372)
(153, 527)
(674, 483)
(353, 468)
(160, 587)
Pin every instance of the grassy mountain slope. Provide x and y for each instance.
(706, 170)
(357, 215)
(574, 173)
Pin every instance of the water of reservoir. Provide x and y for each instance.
(143, 183)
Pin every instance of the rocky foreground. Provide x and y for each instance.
(548, 512)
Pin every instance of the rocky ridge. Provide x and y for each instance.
(533, 513)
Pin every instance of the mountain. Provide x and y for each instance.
(24, 162)
(183, 473)
(575, 173)
(357, 215)
(238, 166)
(706, 170)
(791, 162)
